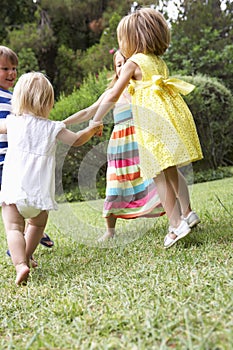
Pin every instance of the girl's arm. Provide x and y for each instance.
(3, 129)
(111, 97)
(84, 114)
(78, 139)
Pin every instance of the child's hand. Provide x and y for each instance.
(99, 131)
(97, 126)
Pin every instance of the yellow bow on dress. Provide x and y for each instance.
(174, 85)
(158, 83)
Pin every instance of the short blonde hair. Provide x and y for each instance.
(143, 31)
(6, 52)
(33, 93)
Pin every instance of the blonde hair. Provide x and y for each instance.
(143, 31)
(33, 93)
(6, 52)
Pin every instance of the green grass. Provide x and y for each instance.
(126, 296)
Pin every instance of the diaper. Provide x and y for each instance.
(28, 212)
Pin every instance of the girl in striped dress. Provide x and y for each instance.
(128, 196)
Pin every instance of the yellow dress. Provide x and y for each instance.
(165, 129)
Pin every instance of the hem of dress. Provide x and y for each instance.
(179, 165)
(146, 214)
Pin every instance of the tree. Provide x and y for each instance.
(27, 61)
(13, 14)
(68, 71)
(99, 56)
(201, 36)
(202, 40)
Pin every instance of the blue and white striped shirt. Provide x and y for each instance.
(5, 109)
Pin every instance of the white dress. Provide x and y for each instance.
(29, 168)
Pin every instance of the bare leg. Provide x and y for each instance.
(180, 187)
(111, 224)
(168, 196)
(49, 243)
(182, 192)
(14, 225)
(167, 186)
(34, 232)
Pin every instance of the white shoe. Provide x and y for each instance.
(192, 219)
(181, 231)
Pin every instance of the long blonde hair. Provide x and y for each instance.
(143, 31)
(33, 94)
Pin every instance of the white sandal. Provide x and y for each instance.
(181, 231)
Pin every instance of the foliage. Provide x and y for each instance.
(211, 105)
(97, 56)
(130, 296)
(51, 27)
(212, 174)
(82, 32)
(202, 40)
(39, 39)
(93, 86)
(13, 14)
(72, 21)
(69, 73)
(27, 61)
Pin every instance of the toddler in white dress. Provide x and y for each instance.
(28, 184)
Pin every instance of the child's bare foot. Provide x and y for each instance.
(105, 237)
(33, 262)
(22, 272)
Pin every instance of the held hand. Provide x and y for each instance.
(99, 132)
(86, 134)
(97, 126)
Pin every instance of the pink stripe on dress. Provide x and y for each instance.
(121, 163)
(132, 204)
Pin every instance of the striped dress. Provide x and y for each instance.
(5, 109)
(128, 196)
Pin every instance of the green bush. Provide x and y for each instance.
(211, 104)
(212, 174)
(90, 90)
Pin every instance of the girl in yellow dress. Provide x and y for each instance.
(165, 129)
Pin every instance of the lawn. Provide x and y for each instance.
(130, 293)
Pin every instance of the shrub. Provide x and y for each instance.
(90, 90)
(213, 174)
(211, 104)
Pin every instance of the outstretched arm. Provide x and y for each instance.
(112, 96)
(84, 114)
(81, 137)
